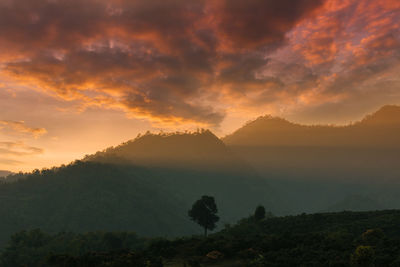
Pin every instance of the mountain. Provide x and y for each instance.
(388, 115)
(145, 185)
(4, 173)
(193, 164)
(190, 151)
(316, 166)
(379, 129)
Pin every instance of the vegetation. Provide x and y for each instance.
(110, 192)
(35, 247)
(326, 239)
(259, 214)
(204, 212)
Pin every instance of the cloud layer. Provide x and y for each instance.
(194, 61)
(22, 128)
(18, 149)
(11, 153)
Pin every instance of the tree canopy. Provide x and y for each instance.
(204, 212)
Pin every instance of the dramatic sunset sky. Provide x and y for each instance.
(77, 76)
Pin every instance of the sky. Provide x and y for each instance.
(77, 76)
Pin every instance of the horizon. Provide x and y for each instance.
(161, 132)
(79, 76)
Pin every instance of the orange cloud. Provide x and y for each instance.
(20, 127)
(191, 61)
(18, 149)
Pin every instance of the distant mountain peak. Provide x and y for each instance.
(201, 149)
(389, 114)
(4, 173)
(270, 119)
(379, 128)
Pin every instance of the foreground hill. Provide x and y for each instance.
(320, 165)
(323, 239)
(146, 185)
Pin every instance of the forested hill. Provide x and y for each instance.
(4, 173)
(323, 166)
(380, 130)
(124, 189)
(200, 150)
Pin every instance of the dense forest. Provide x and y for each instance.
(324, 239)
(109, 193)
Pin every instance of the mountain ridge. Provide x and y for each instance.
(145, 185)
(156, 177)
(4, 173)
(380, 128)
(201, 150)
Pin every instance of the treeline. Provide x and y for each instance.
(326, 239)
(88, 196)
(37, 248)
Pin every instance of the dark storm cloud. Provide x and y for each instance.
(155, 58)
(258, 23)
(177, 60)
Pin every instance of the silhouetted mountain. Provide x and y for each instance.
(4, 173)
(146, 185)
(192, 164)
(191, 151)
(381, 129)
(386, 116)
(319, 165)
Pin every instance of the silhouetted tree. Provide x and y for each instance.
(204, 213)
(259, 214)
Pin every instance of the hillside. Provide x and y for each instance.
(323, 239)
(379, 130)
(192, 164)
(191, 151)
(88, 197)
(146, 185)
(317, 166)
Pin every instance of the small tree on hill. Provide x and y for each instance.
(204, 212)
(259, 214)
